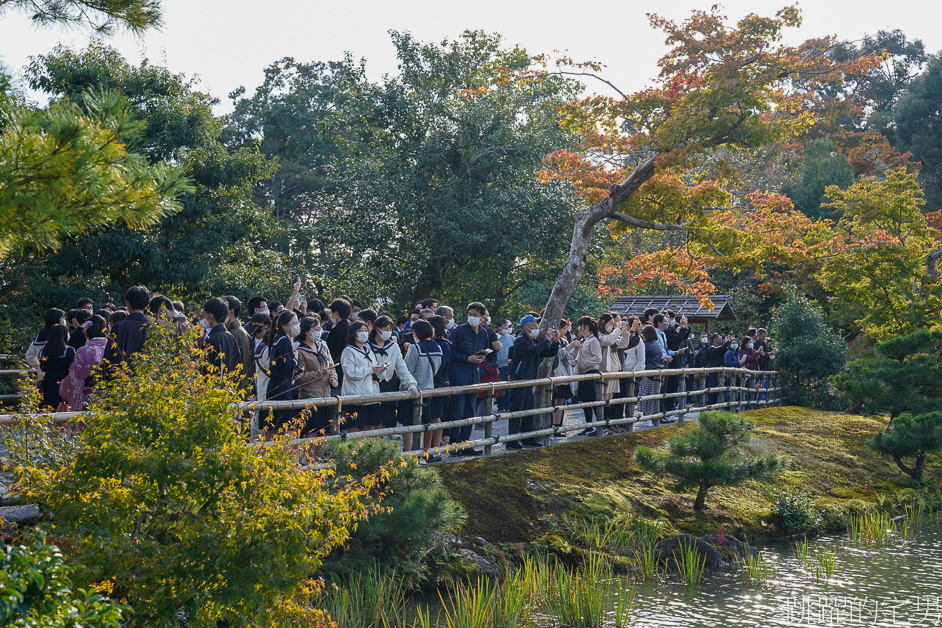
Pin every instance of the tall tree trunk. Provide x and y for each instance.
(430, 282)
(916, 472)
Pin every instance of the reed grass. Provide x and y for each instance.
(690, 563)
(624, 601)
(870, 528)
(645, 562)
(803, 552)
(577, 598)
(825, 563)
(913, 519)
(369, 600)
(756, 568)
(470, 605)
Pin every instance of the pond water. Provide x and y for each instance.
(895, 584)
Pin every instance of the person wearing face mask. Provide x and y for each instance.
(563, 367)
(448, 315)
(223, 355)
(506, 335)
(490, 369)
(315, 375)
(733, 358)
(86, 304)
(468, 341)
(676, 334)
(438, 407)
(528, 352)
(395, 378)
(280, 369)
(716, 356)
(340, 328)
(361, 372)
(634, 350)
(588, 360)
(612, 338)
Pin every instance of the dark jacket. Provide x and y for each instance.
(527, 355)
(653, 355)
(130, 334)
(336, 343)
(441, 376)
(465, 342)
(222, 350)
(676, 337)
(715, 355)
(77, 338)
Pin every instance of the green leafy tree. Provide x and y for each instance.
(219, 242)
(161, 494)
(436, 192)
(917, 127)
(904, 376)
(910, 436)
(711, 454)
(887, 290)
(808, 350)
(822, 167)
(36, 592)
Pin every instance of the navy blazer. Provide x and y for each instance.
(465, 342)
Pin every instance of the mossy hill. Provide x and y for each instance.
(510, 498)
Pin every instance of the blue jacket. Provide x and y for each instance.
(465, 343)
(731, 359)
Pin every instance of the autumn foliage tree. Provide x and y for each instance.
(720, 89)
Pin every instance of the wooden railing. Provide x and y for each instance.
(735, 389)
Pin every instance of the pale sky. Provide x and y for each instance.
(228, 43)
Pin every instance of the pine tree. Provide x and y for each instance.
(711, 455)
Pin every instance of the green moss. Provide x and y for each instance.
(507, 497)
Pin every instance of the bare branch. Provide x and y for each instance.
(648, 224)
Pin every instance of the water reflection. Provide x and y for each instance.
(896, 584)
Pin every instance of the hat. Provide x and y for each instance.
(529, 318)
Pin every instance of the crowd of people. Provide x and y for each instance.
(304, 349)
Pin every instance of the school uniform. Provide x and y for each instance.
(394, 379)
(424, 360)
(130, 335)
(280, 378)
(312, 381)
(438, 405)
(56, 369)
(358, 379)
(223, 354)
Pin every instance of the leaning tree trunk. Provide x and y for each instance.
(572, 272)
(916, 472)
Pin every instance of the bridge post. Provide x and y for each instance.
(598, 412)
(488, 410)
(629, 384)
(658, 403)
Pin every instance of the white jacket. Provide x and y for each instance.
(634, 357)
(397, 365)
(357, 368)
(610, 344)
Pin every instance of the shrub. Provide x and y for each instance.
(797, 511)
(161, 494)
(808, 352)
(711, 455)
(35, 591)
(410, 512)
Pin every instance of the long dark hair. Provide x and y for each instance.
(56, 341)
(95, 327)
(53, 317)
(648, 333)
(280, 321)
(589, 322)
(603, 321)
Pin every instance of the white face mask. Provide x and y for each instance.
(533, 333)
(450, 324)
(749, 345)
(507, 331)
(487, 320)
(362, 337)
(204, 323)
(355, 316)
(704, 340)
(385, 335)
(265, 312)
(474, 321)
(294, 331)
